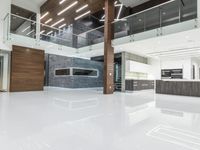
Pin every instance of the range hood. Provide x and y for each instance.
(133, 3)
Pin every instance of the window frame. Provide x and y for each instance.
(62, 69)
(85, 69)
(71, 72)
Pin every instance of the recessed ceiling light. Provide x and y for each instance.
(62, 26)
(48, 20)
(67, 8)
(82, 15)
(81, 8)
(61, 20)
(62, 1)
(44, 15)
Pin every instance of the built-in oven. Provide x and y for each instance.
(172, 73)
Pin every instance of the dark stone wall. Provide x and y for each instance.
(56, 62)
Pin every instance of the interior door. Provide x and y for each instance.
(1, 72)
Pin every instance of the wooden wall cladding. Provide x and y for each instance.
(27, 69)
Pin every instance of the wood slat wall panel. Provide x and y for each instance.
(27, 69)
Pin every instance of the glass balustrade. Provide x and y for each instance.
(22, 26)
(166, 14)
(6, 30)
(157, 17)
(54, 35)
(94, 36)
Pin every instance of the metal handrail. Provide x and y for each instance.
(23, 18)
(6, 16)
(67, 40)
(132, 15)
(43, 24)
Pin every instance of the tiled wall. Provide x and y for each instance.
(56, 62)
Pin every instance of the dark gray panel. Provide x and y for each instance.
(185, 88)
(137, 85)
(58, 62)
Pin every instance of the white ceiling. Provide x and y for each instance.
(39, 2)
(183, 44)
(32, 5)
(132, 3)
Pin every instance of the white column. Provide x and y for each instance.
(198, 12)
(123, 72)
(4, 9)
(38, 28)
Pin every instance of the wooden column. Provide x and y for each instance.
(108, 49)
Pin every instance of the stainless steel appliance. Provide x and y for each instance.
(172, 74)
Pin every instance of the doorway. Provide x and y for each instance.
(4, 70)
(1, 72)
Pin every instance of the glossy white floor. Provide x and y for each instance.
(59, 119)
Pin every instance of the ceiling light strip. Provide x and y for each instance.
(62, 1)
(67, 8)
(26, 28)
(48, 21)
(62, 26)
(175, 50)
(30, 32)
(120, 10)
(82, 15)
(81, 8)
(49, 32)
(42, 32)
(44, 15)
(103, 17)
(61, 20)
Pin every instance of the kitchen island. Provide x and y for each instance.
(137, 85)
(178, 87)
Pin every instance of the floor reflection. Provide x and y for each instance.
(59, 119)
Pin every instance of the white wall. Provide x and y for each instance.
(4, 9)
(185, 64)
(156, 65)
(198, 11)
(48, 47)
(133, 66)
(196, 63)
(5, 71)
(152, 69)
(155, 69)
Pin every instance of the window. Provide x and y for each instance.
(76, 72)
(85, 72)
(62, 72)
